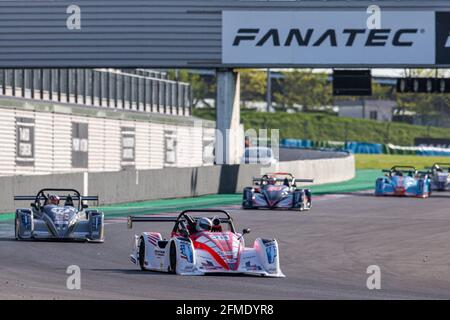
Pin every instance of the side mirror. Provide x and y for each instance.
(84, 206)
(246, 231)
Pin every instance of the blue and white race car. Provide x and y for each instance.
(404, 181)
(440, 176)
(47, 219)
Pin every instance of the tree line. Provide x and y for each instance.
(312, 91)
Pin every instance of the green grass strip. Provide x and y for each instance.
(364, 180)
(386, 161)
(6, 216)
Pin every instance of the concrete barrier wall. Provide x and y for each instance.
(321, 170)
(126, 186)
(31, 184)
(132, 185)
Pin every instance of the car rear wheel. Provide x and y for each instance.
(173, 257)
(16, 228)
(247, 201)
(142, 253)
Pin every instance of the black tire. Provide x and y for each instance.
(173, 258)
(141, 253)
(16, 228)
(301, 201)
(245, 207)
(247, 202)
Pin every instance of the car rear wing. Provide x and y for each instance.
(180, 217)
(255, 179)
(400, 168)
(279, 174)
(405, 168)
(132, 219)
(304, 180)
(82, 198)
(441, 165)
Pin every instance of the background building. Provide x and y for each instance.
(70, 120)
(381, 110)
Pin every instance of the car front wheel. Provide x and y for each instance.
(141, 253)
(173, 257)
(16, 228)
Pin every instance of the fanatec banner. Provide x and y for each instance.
(328, 38)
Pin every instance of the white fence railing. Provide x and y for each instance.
(110, 88)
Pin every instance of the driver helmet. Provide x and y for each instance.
(216, 227)
(53, 199)
(203, 224)
(271, 180)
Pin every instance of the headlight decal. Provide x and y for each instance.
(271, 252)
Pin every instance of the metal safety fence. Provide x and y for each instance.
(108, 88)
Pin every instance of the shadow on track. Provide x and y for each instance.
(159, 273)
(440, 195)
(129, 271)
(357, 194)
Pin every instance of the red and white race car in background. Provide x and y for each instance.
(213, 248)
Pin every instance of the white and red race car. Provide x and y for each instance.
(201, 245)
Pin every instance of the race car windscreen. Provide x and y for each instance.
(225, 225)
(65, 199)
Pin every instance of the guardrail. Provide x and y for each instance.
(99, 87)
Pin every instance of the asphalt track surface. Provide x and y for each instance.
(324, 254)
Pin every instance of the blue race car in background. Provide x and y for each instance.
(404, 181)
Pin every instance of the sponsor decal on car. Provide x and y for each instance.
(96, 223)
(271, 252)
(220, 237)
(252, 267)
(152, 238)
(209, 265)
(186, 252)
(159, 253)
(26, 221)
